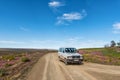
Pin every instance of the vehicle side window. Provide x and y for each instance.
(60, 50)
(63, 50)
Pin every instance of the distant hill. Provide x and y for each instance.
(23, 50)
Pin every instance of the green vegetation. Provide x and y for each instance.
(14, 61)
(25, 59)
(8, 65)
(111, 52)
(8, 57)
(2, 72)
(92, 49)
(109, 55)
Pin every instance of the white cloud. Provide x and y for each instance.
(71, 42)
(77, 42)
(116, 31)
(10, 42)
(81, 43)
(116, 25)
(116, 28)
(69, 17)
(55, 4)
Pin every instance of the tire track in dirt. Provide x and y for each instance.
(47, 60)
(37, 71)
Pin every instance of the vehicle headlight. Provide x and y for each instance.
(81, 57)
(69, 57)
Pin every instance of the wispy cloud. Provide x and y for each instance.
(10, 42)
(24, 29)
(116, 28)
(70, 42)
(81, 43)
(78, 42)
(55, 4)
(69, 17)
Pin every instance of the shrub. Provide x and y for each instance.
(2, 72)
(102, 55)
(8, 65)
(25, 59)
(8, 57)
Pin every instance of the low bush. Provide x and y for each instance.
(25, 59)
(102, 55)
(8, 57)
(2, 72)
(8, 65)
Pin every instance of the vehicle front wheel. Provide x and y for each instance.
(59, 58)
(66, 62)
(79, 62)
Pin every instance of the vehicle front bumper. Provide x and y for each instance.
(74, 60)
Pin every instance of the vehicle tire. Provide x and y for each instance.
(59, 58)
(79, 62)
(66, 62)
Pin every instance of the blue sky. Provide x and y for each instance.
(56, 23)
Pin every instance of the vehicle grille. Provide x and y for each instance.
(75, 56)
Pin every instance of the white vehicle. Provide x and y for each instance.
(69, 55)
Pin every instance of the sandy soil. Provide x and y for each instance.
(50, 68)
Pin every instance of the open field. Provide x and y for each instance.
(44, 65)
(16, 62)
(102, 55)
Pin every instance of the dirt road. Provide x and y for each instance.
(50, 68)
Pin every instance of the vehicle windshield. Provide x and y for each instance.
(70, 50)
